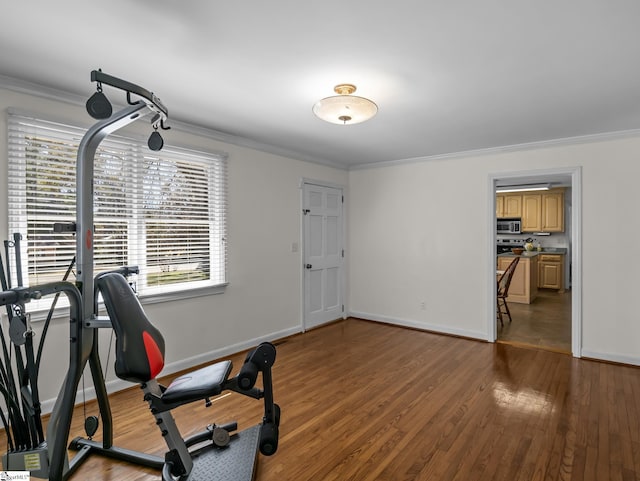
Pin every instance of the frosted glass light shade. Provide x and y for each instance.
(345, 109)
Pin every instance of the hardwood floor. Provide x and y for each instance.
(545, 323)
(363, 401)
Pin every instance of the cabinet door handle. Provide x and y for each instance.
(308, 266)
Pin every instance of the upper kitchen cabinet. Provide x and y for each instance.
(531, 213)
(553, 211)
(543, 212)
(508, 205)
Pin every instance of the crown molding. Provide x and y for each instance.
(30, 88)
(38, 90)
(581, 139)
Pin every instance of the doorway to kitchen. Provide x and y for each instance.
(544, 300)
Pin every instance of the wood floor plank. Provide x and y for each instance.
(364, 401)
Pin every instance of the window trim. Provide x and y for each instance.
(39, 313)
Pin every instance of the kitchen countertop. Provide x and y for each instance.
(534, 253)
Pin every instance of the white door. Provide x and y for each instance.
(323, 254)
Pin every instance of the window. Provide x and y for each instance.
(162, 211)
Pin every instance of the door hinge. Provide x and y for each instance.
(305, 211)
(342, 307)
(343, 199)
(342, 252)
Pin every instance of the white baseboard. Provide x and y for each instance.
(607, 356)
(116, 385)
(421, 325)
(596, 355)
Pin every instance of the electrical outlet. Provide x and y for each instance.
(423, 306)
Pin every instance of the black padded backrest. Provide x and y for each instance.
(139, 345)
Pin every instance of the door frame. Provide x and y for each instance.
(576, 249)
(343, 274)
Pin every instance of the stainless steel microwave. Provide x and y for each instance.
(509, 226)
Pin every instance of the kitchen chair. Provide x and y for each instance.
(503, 290)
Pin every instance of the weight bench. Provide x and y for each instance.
(217, 454)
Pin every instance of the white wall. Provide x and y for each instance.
(419, 232)
(263, 300)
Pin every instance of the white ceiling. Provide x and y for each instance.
(448, 75)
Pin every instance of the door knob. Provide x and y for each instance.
(308, 266)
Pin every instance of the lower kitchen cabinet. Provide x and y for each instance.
(524, 283)
(550, 271)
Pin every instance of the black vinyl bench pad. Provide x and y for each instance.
(199, 384)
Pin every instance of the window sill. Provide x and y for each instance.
(190, 294)
(40, 315)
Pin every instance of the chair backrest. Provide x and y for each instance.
(505, 279)
(139, 345)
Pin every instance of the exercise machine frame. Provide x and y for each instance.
(84, 324)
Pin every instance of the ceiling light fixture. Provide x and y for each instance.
(522, 188)
(345, 108)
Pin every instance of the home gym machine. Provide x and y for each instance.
(217, 453)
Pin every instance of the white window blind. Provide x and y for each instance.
(164, 212)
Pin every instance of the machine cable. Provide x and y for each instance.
(23, 424)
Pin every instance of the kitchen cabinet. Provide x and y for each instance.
(524, 283)
(508, 205)
(543, 212)
(531, 213)
(551, 271)
(499, 206)
(553, 211)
